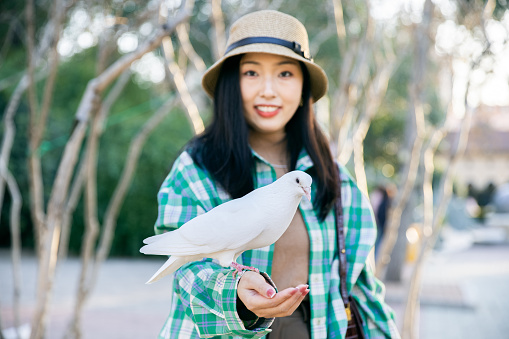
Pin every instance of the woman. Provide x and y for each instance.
(263, 126)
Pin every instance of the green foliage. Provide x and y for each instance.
(387, 130)
(140, 100)
(139, 210)
(127, 116)
(19, 168)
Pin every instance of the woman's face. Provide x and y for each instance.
(271, 88)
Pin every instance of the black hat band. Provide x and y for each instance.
(293, 45)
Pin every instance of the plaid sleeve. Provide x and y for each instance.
(378, 317)
(368, 291)
(207, 290)
(209, 293)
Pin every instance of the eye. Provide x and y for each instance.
(297, 181)
(250, 73)
(285, 74)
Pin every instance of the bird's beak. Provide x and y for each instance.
(307, 192)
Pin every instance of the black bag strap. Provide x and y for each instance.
(341, 244)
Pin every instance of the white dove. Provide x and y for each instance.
(255, 220)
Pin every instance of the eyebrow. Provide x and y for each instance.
(286, 62)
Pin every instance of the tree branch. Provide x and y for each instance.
(14, 101)
(15, 241)
(340, 24)
(178, 78)
(433, 218)
(218, 28)
(120, 192)
(351, 80)
(374, 96)
(67, 165)
(92, 224)
(421, 46)
(187, 47)
(10, 129)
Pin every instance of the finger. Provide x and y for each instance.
(263, 306)
(256, 284)
(289, 294)
(288, 309)
(290, 305)
(278, 299)
(255, 293)
(283, 305)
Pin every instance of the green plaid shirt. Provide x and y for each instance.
(204, 293)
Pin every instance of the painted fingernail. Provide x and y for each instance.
(303, 288)
(271, 293)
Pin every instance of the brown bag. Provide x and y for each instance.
(355, 324)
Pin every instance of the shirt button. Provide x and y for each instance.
(318, 321)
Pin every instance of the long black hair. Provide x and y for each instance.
(223, 148)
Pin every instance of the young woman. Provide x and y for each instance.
(263, 127)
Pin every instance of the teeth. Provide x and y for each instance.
(267, 108)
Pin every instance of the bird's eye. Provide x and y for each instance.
(297, 181)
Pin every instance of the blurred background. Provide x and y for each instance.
(99, 97)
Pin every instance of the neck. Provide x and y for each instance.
(270, 146)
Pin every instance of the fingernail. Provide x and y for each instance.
(303, 288)
(271, 293)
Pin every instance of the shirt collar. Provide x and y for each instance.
(304, 161)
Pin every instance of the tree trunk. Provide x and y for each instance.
(355, 64)
(58, 197)
(14, 101)
(374, 97)
(70, 207)
(10, 130)
(91, 223)
(15, 242)
(178, 78)
(415, 136)
(217, 20)
(433, 218)
(411, 315)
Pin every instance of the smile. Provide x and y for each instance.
(267, 111)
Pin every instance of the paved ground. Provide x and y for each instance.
(122, 306)
(464, 296)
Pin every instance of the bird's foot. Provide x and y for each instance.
(239, 268)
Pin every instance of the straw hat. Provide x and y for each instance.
(269, 32)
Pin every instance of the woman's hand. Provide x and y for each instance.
(261, 298)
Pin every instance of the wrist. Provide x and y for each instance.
(248, 317)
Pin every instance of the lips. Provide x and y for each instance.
(267, 111)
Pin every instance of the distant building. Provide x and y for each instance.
(486, 158)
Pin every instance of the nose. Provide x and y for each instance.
(267, 90)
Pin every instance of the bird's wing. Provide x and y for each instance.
(229, 226)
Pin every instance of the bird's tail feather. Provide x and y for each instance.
(154, 247)
(170, 266)
(153, 238)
